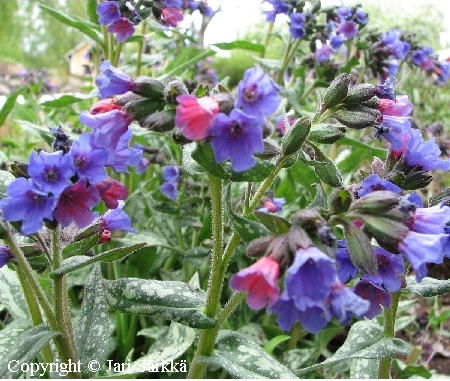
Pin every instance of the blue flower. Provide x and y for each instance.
(278, 7)
(236, 137)
(375, 294)
(348, 29)
(112, 81)
(390, 267)
(423, 154)
(311, 275)
(123, 28)
(171, 173)
(323, 53)
(89, 162)
(108, 12)
(117, 219)
(25, 203)
(344, 303)
(297, 27)
(169, 189)
(344, 12)
(418, 57)
(122, 156)
(386, 90)
(336, 41)
(361, 16)
(346, 269)
(51, 172)
(374, 183)
(258, 94)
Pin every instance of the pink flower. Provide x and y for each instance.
(172, 16)
(400, 107)
(111, 191)
(123, 28)
(261, 282)
(104, 105)
(195, 115)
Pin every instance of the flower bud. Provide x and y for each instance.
(376, 203)
(161, 121)
(360, 93)
(416, 180)
(149, 88)
(173, 89)
(225, 101)
(271, 149)
(307, 218)
(326, 133)
(373, 102)
(298, 239)
(386, 231)
(19, 169)
(340, 201)
(358, 117)
(142, 107)
(337, 91)
(258, 247)
(295, 136)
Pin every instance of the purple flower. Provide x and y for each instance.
(25, 203)
(121, 156)
(311, 275)
(261, 282)
(108, 128)
(346, 269)
(401, 106)
(430, 220)
(336, 41)
(418, 57)
(361, 16)
(374, 183)
(443, 72)
(344, 12)
(390, 267)
(288, 314)
(419, 249)
(236, 137)
(143, 165)
(112, 81)
(278, 7)
(258, 95)
(173, 3)
(323, 53)
(273, 205)
(391, 36)
(51, 172)
(392, 68)
(171, 173)
(393, 129)
(172, 16)
(75, 204)
(348, 29)
(117, 219)
(386, 90)
(205, 10)
(108, 12)
(297, 27)
(344, 302)
(123, 28)
(5, 255)
(169, 189)
(423, 154)
(89, 162)
(375, 294)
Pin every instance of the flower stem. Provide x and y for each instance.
(117, 54)
(384, 370)
(139, 52)
(266, 38)
(296, 333)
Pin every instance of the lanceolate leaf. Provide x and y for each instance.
(171, 300)
(428, 287)
(28, 345)
(10, 334)
(92, 331)
(328, 173)
(65, 100)
(11, 295)
(364, 369)
(243, 358)
(82, 246)
(8, 106)
(240, 44)
(74, 263)
(365, 340)
(204, 156)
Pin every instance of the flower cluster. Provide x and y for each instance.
(201, 6)
(236, 135)
(110, 14)
(313, 293)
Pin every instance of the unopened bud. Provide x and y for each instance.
(325, 234)
(340, 201)
(173, 89)
(258, 247)
(307, 218)
(298, 239)
(19, 169)
(360, 93)
(326, 133)
(278, 248)
(149, 88)
(376, 203)
(373, 102)
(271, 149)
(416, 180)
(141, 107)
(337, 91)
(358, 117)
(296, 136)
(161, 121)
(225, 101)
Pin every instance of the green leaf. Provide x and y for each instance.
(243, 358)
(277, 340)
(403, 371)
(10, 334)
(27, 347)
(379, 152)
(11, 295)
(240, 44)
(92, 11)
(204, 156)
(74, 263)
(428, 287)
(365, 340)
(189, 164)
(276, 224)
(6, 178)
(364, 368)
(8, 106)
(92, 330)
(171, 300)
(351, 63)
(166, 348)
(65, 100)
(248, 230)
(319, 200)
(443, 196)
(328, 173)
(81, 247)
(268, 63)
(259, 172)
(83, 26)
